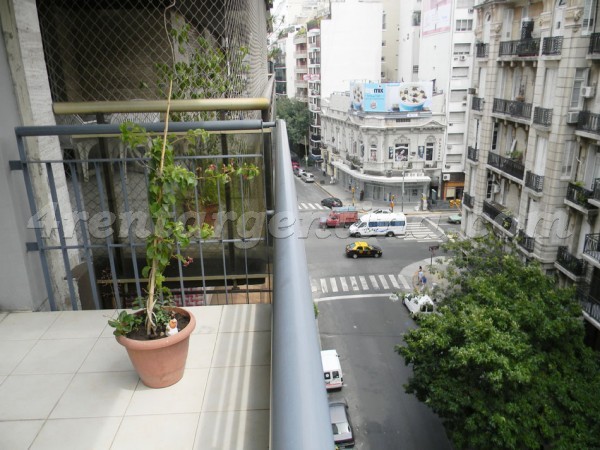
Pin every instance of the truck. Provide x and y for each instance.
(332, 369)
(342, 216)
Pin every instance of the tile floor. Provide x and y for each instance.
(65, 383)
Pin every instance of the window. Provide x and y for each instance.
(495, 136)
(464, 25)
(415, 69)
(429, 151)
(416, 18)
(383, 43)
(458, 95)
(456, 117)
(373, 153)
(383, 20)
(462, 49)
(401, 152)
(382, 58)
(589, 13)
(579, 81)
(460, 72)
(567, 162)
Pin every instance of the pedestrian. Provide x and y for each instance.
(420, 275)
(392, 205)
(423, 282)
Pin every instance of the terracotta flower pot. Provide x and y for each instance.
(161, 362)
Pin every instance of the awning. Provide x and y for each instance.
(408, 178)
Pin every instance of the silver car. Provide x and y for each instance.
(308, 177)
(343, 435)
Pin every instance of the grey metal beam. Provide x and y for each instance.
(299, 408)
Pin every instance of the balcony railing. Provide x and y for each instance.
(589, 122)
(482, 50)
(468, 200)
(579, 195)
(500, 215)
(596, 194)
(591, 247)
(473, 153)
(570, 263)
(534, 182)
(477, 103)
(513, 168)
(542, 116)
(521, 48)
(525, 241)
(552, 45)
(594, 47)
(589, 304)
(512, 108)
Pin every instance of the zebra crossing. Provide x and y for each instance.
(418, 231)
(350, 284)
(311, 207)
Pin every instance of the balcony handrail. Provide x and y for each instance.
(534, 181)
(552, 45)
(468, 200)
(472, 153)
(569, 262)
(299, 405)
(507, 165)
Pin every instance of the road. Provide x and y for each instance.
(357, 319)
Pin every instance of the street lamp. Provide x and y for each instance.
(402, 204)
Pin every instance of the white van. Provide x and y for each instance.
(332, 370)
(390, 224)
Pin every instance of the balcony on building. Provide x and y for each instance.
(594, 46)
(577, 198)
(569, 264)
(477, 103)
(314, 61)
(500, 216)
(513, 108)
(300, 68)
(315, 138)
(525, 241)
(595, 198)
(472, 154)
(511, 167)
(523, 48)
(552, 46)
(482, 50)
(534, 182)
(468, 200)
(542, 116)
(588, 122)
(591, 249)
(589, 305)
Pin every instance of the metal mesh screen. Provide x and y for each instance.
(118, 49)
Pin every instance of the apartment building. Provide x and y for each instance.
(533, 160)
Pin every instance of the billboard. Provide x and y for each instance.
(436, 16)
(391, 97)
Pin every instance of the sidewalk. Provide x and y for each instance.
(339, 191)
(411, 271)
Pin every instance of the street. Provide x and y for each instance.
(357, 319)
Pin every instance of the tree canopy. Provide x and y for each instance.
(504, 363)
(297, 118)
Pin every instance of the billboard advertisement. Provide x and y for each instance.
(436, 16)
(391, 97)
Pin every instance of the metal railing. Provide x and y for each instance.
(512, 107)
(500, 215)
(520, 48)
(542, 116)
(525, 241)
(579, 195)
(514, 168)
(591, 247)
(594, 47)
(569, 262)
(477, 103)
(299, 407)
(468, 200)
(589, 122)
(534, 182)
(473, 153)
(552, 45)
(482, 50)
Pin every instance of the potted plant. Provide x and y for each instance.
(156, 336)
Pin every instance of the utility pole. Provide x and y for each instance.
(402, 196)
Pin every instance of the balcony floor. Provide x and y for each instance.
(66, 383)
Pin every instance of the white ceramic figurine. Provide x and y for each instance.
(172, 327)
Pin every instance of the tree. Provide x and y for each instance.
(504, 364)
(297, 118)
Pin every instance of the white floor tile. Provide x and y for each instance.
(26, 397)
(77, 434)
(242, 349)
(171, 431)
(24, 326)
(185, 396)
(233, 430)
(208, 318)
(107, 355)
(201, 351)
(74, 324)
(246, 318)
(96, 395)
(55, 356)
(19, 435)
(251, 388)
(12, 353)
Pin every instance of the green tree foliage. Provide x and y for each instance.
(504, 364)
(297, 118)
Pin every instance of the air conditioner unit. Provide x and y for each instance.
(472, 91)
(495, 188)
(463, 57)
(587, 92)
(572, 116)
(470, 10)
(446, 177)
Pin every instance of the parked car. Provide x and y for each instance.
(330, 202)
(343, 435)
(418, 304)
(299, 172)
(308, 177)
(455, 218)
(361, 249)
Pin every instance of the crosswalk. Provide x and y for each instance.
(421, 232)
(311, 206)
(356, 284)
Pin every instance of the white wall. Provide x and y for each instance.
(350, 45)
